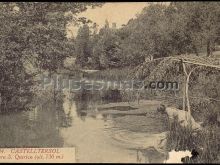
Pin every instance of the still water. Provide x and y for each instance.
(74, 121)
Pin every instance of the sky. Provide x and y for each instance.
(119, 13)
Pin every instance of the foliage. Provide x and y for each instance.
(32, 32)
(158, 31)
(199, 22)
(82, 45)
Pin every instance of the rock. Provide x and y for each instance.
(173, 112)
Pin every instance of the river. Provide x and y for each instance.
(97, 137)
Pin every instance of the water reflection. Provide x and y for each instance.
(74, 121)
(36, 128)
(99, 139)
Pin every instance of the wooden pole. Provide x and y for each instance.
(184, 94)
(187, 98)
(184, 88)
(186, 91)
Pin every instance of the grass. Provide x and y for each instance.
(205, 142)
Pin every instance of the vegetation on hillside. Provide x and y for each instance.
(158, 31)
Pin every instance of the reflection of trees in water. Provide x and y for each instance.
(48, 128)
(64, 118)
(111, 96)
(87, 100)
(40, 127)
(34, 128)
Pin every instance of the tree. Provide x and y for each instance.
(83, 45)
(147, 35)
(95, 50)
(15, 82)
(46, 30)
(200, 23)
(107, 50)
(34, 32)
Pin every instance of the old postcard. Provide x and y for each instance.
(122, 82)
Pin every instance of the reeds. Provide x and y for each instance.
(205, 141)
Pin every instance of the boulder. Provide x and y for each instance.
(181, 115)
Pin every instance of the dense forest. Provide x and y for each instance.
(160, 30)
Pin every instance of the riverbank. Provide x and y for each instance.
(143, 117)
(204, 96)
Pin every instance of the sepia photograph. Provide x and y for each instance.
(110, 82)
